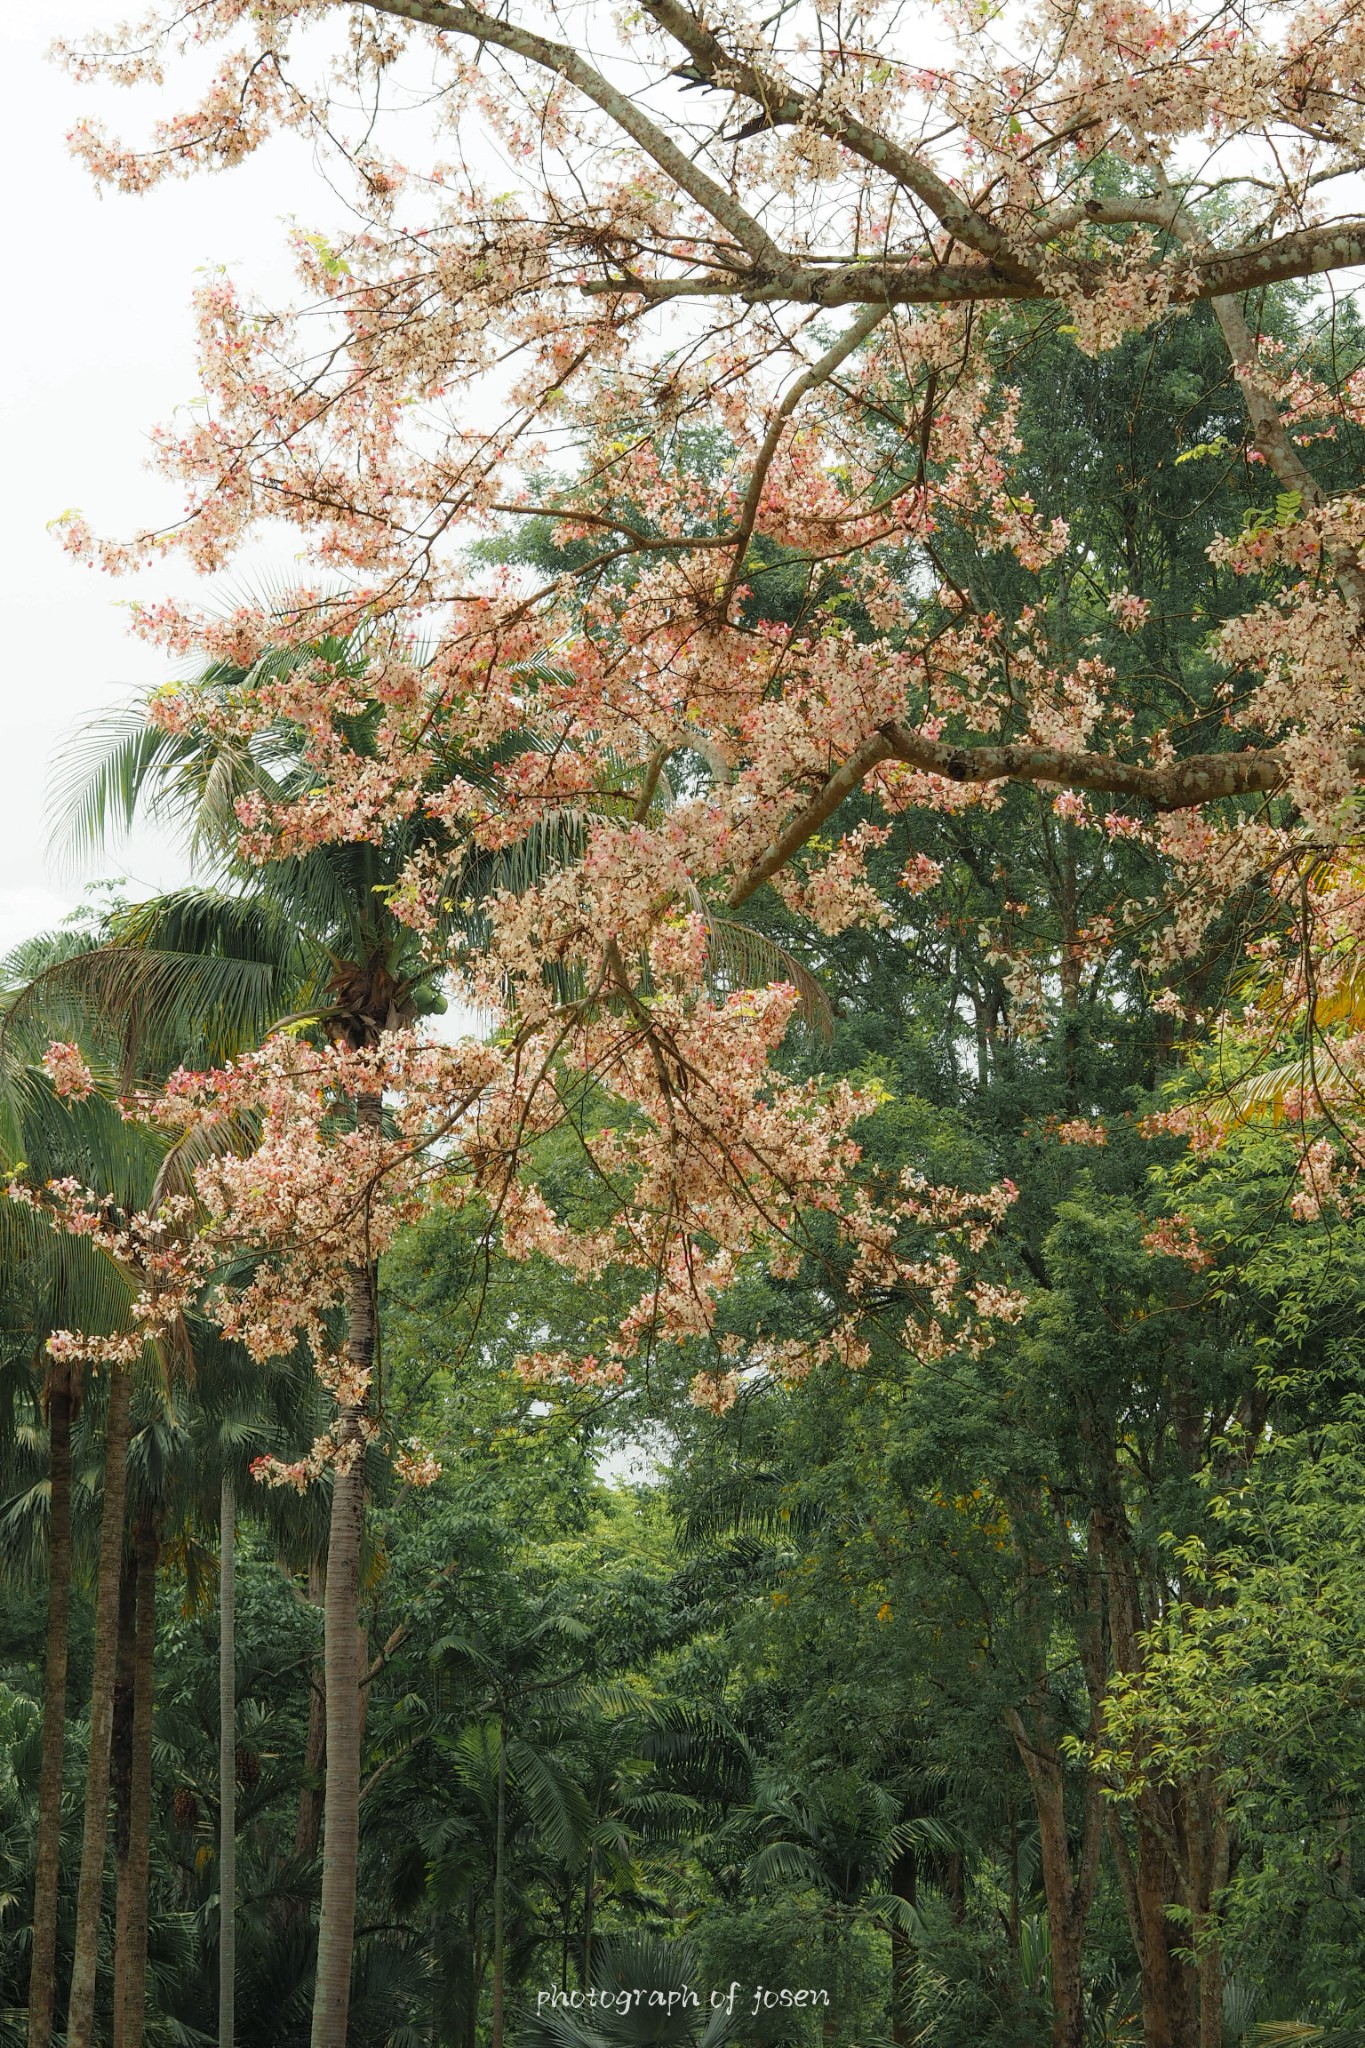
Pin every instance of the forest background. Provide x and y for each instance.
(993, 1667)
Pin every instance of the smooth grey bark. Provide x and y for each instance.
(227, 1766)
(341, 1667)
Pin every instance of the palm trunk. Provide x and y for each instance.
(227, 1768)
(42, 1977)
(80, 2025)
(308, 1828)
(341, 1801)
(904, 1885)
(589, 1898)
(121, 1762)
(130, 1969)
(499, 1881)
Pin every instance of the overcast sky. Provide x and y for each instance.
(97, 348)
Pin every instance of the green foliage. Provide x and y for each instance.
(764, 1689)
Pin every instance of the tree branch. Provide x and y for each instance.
(569, 64)
(784, 106)
(852, 337)
(1175, 786)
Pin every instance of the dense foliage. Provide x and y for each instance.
(789, 1480)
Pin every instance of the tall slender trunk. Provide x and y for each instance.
(42, 1976)
(80, 2024)
(308, 1828)
(341, 1607)
(589, 1901)
(474, 1985)
(227, 1765)
(121, 1759)
(1072, 957)
(130, 1967)
(499, 1885)
(1166, 1825)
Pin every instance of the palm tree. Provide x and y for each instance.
(132, 1901)
(61, 982)
(73, 1281)
(316, 932)
(312, 935)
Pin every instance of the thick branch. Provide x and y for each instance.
(783, 106)
(1176, 786)
(919, 281)
(1005, 270)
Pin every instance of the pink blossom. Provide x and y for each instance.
(67, 1070)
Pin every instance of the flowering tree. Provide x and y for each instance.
(777, 238)
(692, 213)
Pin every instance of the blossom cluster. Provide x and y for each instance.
(65, 1066)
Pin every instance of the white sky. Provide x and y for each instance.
(97, 348)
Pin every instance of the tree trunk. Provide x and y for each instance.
(80, 2025)
(121, 1761)
(341, 1608)
(499, 1886)
(474, 1985)
(308, 1829)
(227, 1766)
(589, 1900)
(130, 1967)
(1068, 1895)
(1170, 1985)
(1169, 1822)
(1210, 1834)
(42, 1978)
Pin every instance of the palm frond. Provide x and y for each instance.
(1270, 1091)
(752, 1503)
(123, 766)
(780, 1863)
(103, 775)
(160, 1008)
(556, 1804)
(741, 958)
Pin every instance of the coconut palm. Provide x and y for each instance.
(313, 935)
